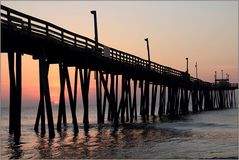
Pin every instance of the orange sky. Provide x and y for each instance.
(206, 32)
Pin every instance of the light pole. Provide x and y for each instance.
(227, 76)
(196, 66)
(96, 31)
(222, 74)
(96, 37)
(97, 76)
(215, 76)
(187, 65)
(147, 41)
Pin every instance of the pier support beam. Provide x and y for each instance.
(135, 100)
(111, 97)
(176, 97)
(73, 111)
(200, 100)
(221, 99)
(162, 100)
(62, 108)
(45, 66)
(85, 82)
(184, 102)
(170, 103)
(72, 98)
(98, 98)
(154, 95)
(104, 100)
(116, 92)
(112, 102)
(45, 95)
(235, 102)
(122, 105)
(142, 99)
(12, 99)
(129, 100)
(215, 99)
(15, 94)
(195, 100)
(41, 106)
(173, 96)
(64, 76)
(147, 98)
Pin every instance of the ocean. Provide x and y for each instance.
(211, 134)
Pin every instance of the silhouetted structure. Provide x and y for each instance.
(50, 44)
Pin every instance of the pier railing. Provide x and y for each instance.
(25, 23)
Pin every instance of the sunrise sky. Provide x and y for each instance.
(206, 32)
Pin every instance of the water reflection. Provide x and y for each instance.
(102, 142)
(97, 142)
(15, 146)
(152, 139)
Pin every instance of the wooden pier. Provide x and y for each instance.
(49, 44)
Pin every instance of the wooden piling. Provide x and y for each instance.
(177, 96)
(122, 100)
(98, 98)
(41, 107)
(111, 99)
(235, 102)
(187, 99)
(72, 99)
(162, 99)
(169, 99)
(116, 92)
(131, 111)
(85, 82)
(200, 100)
(100, 108)
(61, 110)
(45, 68)
(226, 99)
(44, 95)
(17, 131)
(15, 94)
(231, 99)
(112, 104)
(73, 111)
(126, 100)
(147, 98)
(12, 99)
(215, 100)
(206, 101)
(195, 100)
(183, 101)
(141, 86)
(104, 100)
(154, 95)
(135, 100)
